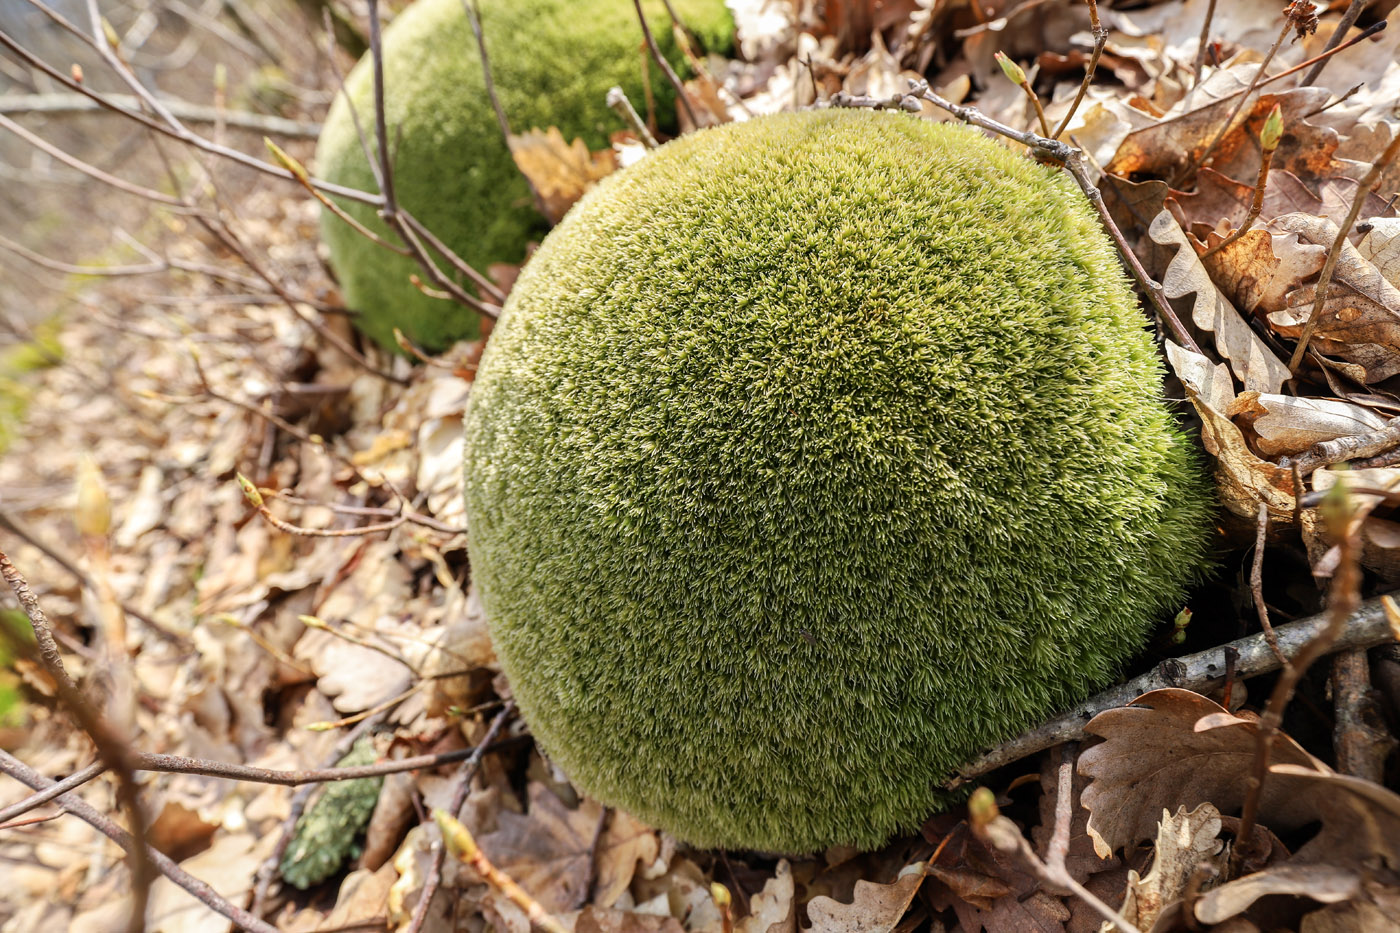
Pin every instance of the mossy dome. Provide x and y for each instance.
(810, 456)
(553, 62)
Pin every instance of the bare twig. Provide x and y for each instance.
(1205, 670)
(1017, 76)
(664, 65)
(255, 499)
(1269, 138)
(112, 748)
(617, 100)
(1359, 736)
(1256, 584)
(1001, 833)
(459, 799)
(1368, 184)
(1202, 45)
(458, 839)
(38, 799)
(1343, 27)
(194, 113)
(140, 853)
(1344, 598)
(1100, 33)
(1354, 447)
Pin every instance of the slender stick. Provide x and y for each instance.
(195, 113)
(84, 811)
(1369, 183)
(1201, 46)
(1100, 33)
(1343, 27)
(1256, 584)
(1269, 139)
(664, 65)
(36, 800)
(459, 799)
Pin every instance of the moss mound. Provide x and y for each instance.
(553, 62)
(810, 456)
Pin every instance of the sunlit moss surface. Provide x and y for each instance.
(810, 456)
(553, 62)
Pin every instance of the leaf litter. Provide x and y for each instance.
(295, 634)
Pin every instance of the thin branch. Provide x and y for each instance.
(1100, 33)
(1366, 627)
(458, 839)
(195, 113)
(1344, 598)
(1269, 138)
(140, 853)
(617, 100)
(459, 800)
(1353, 447)
(664, 65)
(38, 799)
(1343, 27)
(1256, 583)
(1368, 184)
(1202, 45)
(111, 747)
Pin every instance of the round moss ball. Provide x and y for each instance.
(553, 62)
(810, 456)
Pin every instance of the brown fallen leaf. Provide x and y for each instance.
(1381, 247)
(1158, 755)
(1252, 362)
(877, 908)
(1184, 841)
(1288, 424)
(560, 172)
(1243, 478)
(594, 919)
(1260, 269)
(547, 850)
(626, 843)
(1169, 146)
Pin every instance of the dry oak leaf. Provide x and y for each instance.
(1288, 424)
(1260, 269)
(1184, 841)
(1252, 362)
(603, 920)
(1380, 245)
(1159, 754)
(1170, 145)
(626, 843)
(1243, 478)
(1352, 856)
(772, 910)
(877, 908)
(1360, 320)
(560, 172)
(547, 850)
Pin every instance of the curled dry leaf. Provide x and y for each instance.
(1360, 320)
(1260, 269)
(626, 843)
(602, 920)
(1184, 841)
(1169, 146)
(773, 909)
(1287, 424)
(1250, 359)
(1243, 478)
(877, 908)
(559, 171)
(1157, 755)
(1359, 836)
(548, 850)
(1380, 246)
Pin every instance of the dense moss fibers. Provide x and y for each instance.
(553, 62)
(810, 456)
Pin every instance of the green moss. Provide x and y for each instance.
(810, 456)
(329, 831)
(553, 62)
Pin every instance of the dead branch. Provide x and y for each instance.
(617, 100)
(1356, 447)
(665, 66)
(1100, 33)
(1343, 27)
(84, 811)
(459, 800)
(1368, 626)
(1201, 46)
(1358, 734)
(194, 113)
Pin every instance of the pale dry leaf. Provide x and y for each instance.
(773, 909)
(547, 850)
(1210, 381)
(227, 866)
(1321, 883)
(560, 172)
(412, 862)
(1243, 478)
(1350, 917)
(594, 919)
(877, 908)
(626, 843)
(1381, 247)
(1288, 424)
(1154, 758)
(1252, 362)
(1261, 268)
(1184, 841)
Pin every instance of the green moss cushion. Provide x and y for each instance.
(810, 456)
(553, 62)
